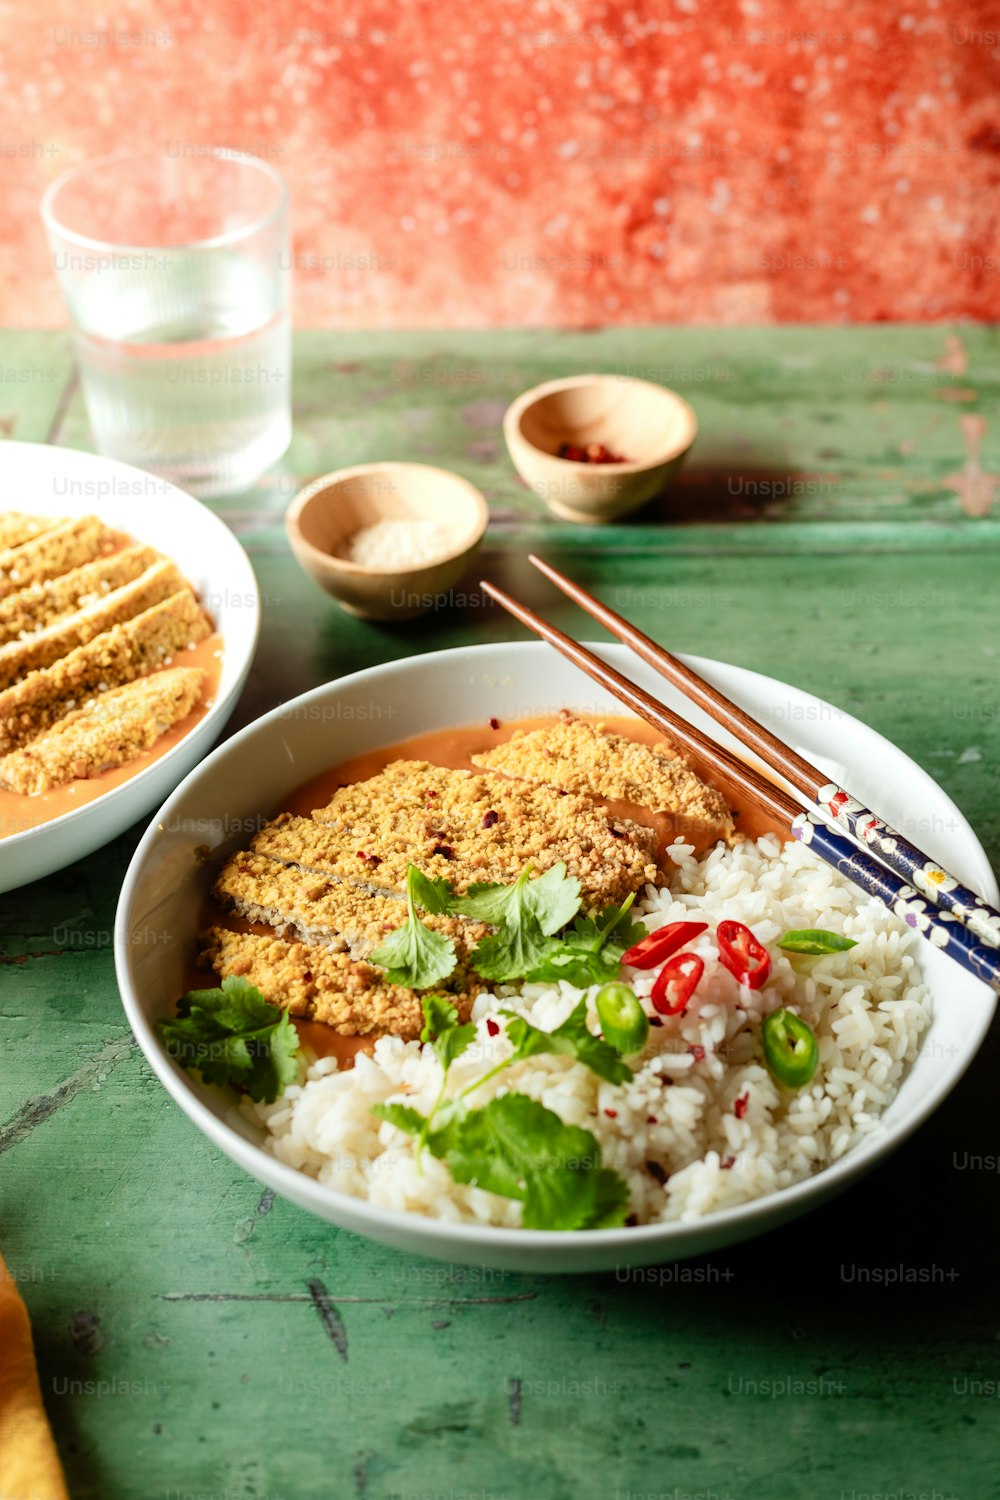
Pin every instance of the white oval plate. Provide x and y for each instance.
(247, 778)
(47, 481)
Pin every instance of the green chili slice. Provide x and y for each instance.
(790, 1049)
(815, 940)
(623, 1020)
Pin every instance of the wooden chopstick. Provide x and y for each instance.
(892, 847)
(939, 928)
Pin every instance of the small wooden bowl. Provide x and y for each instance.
(651, 426)
(327, 512)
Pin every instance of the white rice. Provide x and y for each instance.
(867, 1007)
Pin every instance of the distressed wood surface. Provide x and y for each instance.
(199, 1337)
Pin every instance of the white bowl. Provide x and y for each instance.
(252, 773)
(47, 481)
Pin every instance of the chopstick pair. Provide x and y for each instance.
(944, 911)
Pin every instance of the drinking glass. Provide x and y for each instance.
(176, 272)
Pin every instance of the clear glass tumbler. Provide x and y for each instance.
(177, 275)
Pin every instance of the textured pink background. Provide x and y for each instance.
(565, 161)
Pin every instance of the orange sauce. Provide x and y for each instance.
(454, 748)
(18, 812)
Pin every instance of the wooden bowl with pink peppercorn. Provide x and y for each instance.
(597, 447)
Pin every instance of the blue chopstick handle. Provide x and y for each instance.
(907, 860)
(941, 928)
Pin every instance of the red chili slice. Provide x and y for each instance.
(659, 945)
(676, 983)
(745, 958)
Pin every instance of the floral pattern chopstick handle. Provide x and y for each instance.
(930, 880)
(941, 928)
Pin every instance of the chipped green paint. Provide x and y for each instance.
(252, 1352)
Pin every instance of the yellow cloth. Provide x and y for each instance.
(29, 1464)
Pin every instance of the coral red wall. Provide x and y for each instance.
(563, 161)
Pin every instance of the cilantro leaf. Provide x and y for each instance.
(448, 1039)
(402, 1116)
(573, 1038)
(610, 1201)
(439, 1014)
(516, 1147)
(526, 913)
(433, 893)
(552, 899)
(510, 953)
(414, 955)
(620, 933)
(233, 1035)
(591, 952)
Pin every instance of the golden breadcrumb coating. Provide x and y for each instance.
(116, 657)
(17, 528)
(43, 604)
(320, 985)
(18, 658)
(55, 551)
(463, 826)
(586, 758)
(332, 914)
(110, 731)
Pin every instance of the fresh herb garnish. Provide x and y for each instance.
(233, 1035)
(591, 951)
(815, 940)
(552, 899)
(517, 1148)
(514, 1146)
(529, 943)
(441, 1029)
(414, 955)
(573, 1038)
(449, 1041)
(526, 914)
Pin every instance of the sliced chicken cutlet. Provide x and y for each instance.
(110, 731)
(55, 551)
(17, 528)
(116, 657)
(319, 985)
(43, 647)
(585, 758)
(464, 827)
(328, 914)
(44, 603)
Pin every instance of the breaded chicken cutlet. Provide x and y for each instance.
(89, 625)
(44, 603)
(17, 528)
(55, 550)
(463, 826)
(585, 758)
(45, 646)
(326, 913)
(110, 731)
(320, 985)
(117, 656)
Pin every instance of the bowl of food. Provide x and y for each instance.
(493, 977)
(388, 541)
(597, 447)
(128, 621)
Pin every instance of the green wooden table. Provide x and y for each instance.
(197, 1337)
